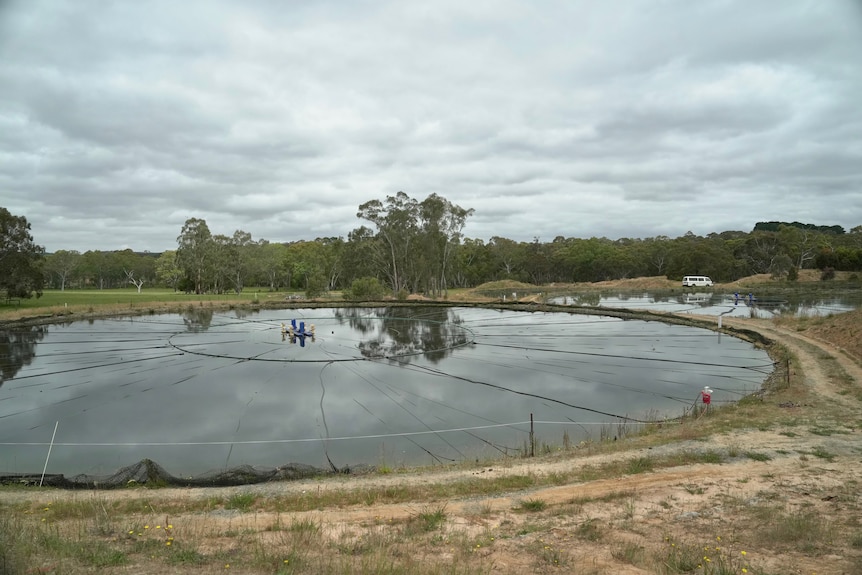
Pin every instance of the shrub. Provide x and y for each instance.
(365, 289)
(793, 274)
(827, 274)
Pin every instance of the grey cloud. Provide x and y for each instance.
(281, 119)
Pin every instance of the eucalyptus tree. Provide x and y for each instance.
(656, 252)
(364, 255)
(332, 260)
(220, 263)
(440, 225)
(761, 250)
(20, 258)
(195, 251)
(62, 264)
(272, 264)
(475, 264)
(801, 244)
(97, 267)
(538, 264)
(396, 222)
(508, 256)
(236, 258)
(138, 269)
(168, 271)
(308, 260)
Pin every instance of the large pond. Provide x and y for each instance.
(203, 391)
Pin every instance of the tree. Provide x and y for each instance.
(137, 282)
(396, 225)
(167, 270)
(96, 268)
(508, 255)
(238, 258)
(273, 264)
(20, 259)
(195, 251)
(62, 263)
(441, 223)
(332, 260)
(363, 255)
(308, 259)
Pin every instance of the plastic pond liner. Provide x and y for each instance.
(208, 397)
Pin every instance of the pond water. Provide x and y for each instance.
(714, 303)
(203, 391)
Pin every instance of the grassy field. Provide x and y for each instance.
(56, 303)
(130, 297)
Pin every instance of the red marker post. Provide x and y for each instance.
(706, 396)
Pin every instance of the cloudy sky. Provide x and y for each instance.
(121, 120)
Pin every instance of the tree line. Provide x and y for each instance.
(409, 246)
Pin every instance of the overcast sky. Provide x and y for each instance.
(121, 120)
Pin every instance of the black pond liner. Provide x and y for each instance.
(185, 340)
(148, 472)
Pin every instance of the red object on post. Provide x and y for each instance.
(707, 398)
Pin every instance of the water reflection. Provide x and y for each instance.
(400, 333)
(17, 349)
(198, 320)
(748, 304)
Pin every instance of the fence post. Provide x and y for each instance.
(532, 438)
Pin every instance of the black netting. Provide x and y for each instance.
(148, 472)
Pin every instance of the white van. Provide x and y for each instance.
(696, 281)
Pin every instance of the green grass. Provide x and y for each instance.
(756, 456)
(533, 505)
(56, 302)
(430, 519)
(241, 501)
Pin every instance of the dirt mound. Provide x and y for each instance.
(505, 284)
(843, 331)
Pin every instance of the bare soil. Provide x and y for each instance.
(805, 466)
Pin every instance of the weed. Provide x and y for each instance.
(532, 505)
(241, 501)
(431, 519)
(551, 555)
(821, 453)
(589, 530)
(185, 556)
(628, 552)
(757, 456)
(639, 465)
(693, 489)
(304, 527)
(802, 530)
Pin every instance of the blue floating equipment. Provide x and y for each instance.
(300, 332)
